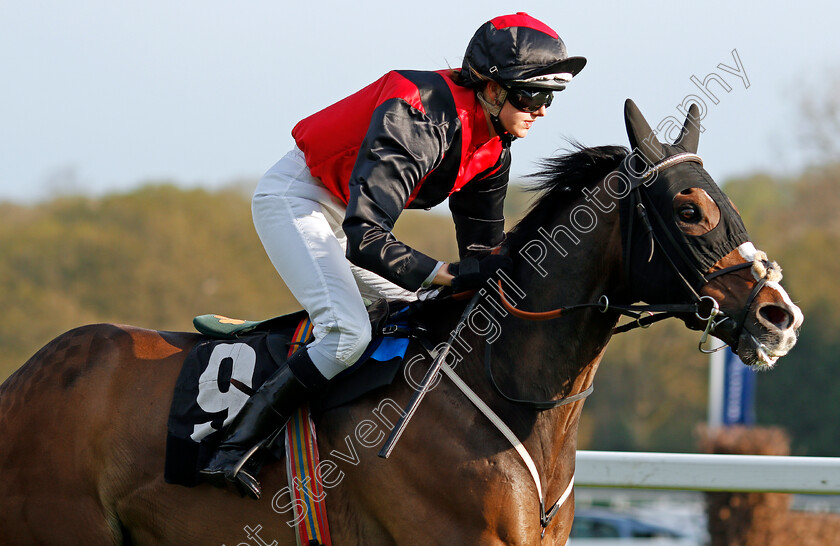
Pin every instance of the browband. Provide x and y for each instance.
(670, 162)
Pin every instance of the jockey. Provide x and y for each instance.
(325, 211)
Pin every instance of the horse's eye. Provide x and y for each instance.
(689, 213)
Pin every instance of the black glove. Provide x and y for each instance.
(472, 273)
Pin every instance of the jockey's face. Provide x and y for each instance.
(517, 122)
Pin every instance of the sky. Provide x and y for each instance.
(102, 96)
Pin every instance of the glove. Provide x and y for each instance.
(472, 273)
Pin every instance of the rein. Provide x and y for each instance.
(644, 315)
(655, 312)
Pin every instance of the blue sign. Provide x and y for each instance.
(738, 391)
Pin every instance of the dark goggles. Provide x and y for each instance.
(529, 100)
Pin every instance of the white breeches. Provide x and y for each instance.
(299, 224)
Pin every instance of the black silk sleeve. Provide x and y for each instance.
(478, 210)
(401, 147)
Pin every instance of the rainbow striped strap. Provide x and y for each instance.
(301, 464)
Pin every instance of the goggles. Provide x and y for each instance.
(529, 100)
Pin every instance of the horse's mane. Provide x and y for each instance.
(559, 182)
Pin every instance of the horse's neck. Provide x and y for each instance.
(547, 360)
(562, 348)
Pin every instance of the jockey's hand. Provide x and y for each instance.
(472, 273)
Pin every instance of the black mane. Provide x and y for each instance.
(560, 181)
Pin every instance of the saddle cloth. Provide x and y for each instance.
(219, 375)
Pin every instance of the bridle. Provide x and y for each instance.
(705, 308)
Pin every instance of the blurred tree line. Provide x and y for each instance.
(159, 255)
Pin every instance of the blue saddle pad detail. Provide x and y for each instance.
(390, 348)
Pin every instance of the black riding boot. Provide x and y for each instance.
(263, 413)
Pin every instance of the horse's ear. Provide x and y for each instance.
(642, 137)
(690, 135)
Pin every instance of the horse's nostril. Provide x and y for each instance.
(778, 316)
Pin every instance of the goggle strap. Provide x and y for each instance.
(493, 109)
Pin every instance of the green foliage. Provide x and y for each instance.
(154, 257)
(157, 256)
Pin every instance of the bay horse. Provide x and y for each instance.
(83, 422)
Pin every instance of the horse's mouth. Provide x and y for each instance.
(761, 353)
(761, 349)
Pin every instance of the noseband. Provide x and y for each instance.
(770, 270)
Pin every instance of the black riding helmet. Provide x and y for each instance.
(518, 52)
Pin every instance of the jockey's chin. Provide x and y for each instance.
(517, 122)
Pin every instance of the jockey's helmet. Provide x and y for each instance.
(518, 50)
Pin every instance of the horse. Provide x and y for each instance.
(84, 419)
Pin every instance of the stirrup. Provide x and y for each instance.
(247, 485)
(243, 474)
(237, 468)
(240, 477)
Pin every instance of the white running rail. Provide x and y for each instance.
(701, 472)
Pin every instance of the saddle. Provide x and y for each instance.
(222, 327)
(238, 356)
